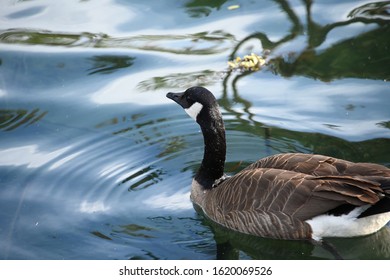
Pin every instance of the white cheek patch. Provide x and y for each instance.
(194, 110)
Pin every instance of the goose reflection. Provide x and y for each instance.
(234, 245)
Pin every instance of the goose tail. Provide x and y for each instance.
(383, 205)
(384, 183)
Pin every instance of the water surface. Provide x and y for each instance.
(95, 161)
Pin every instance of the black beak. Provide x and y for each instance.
(178, 98)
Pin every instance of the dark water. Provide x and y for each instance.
(95, 162)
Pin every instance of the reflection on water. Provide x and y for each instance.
(358, 57)
(203, 43)
(234, 245)
(95, 162)
(378, 9)
(106, 64)
(135, 230)
(184, 80)
(203, 8)
(149, 175)
(12, 119)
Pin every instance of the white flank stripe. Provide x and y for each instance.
(347, 225)
(194, 110)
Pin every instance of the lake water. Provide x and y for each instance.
(95, 161)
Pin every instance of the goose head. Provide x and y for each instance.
(200, 104)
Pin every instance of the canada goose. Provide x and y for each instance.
(284, 196)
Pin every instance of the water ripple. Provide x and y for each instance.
(11, 119)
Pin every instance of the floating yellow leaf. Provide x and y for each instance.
(232, 64)
(233, 7)
(252, 62)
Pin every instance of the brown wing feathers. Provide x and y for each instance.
(360, 180)
(320, 165)
(272, 189)
(353, 190)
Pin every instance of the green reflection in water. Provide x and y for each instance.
(365, 56)
(202, 8)
(11, 119)
(106, 64)
(135, 230)
(201, 43)
(181, 80)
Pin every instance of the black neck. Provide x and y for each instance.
(213, 162)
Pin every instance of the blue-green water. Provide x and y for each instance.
(95, 162)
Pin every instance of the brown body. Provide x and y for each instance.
(276, 195)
